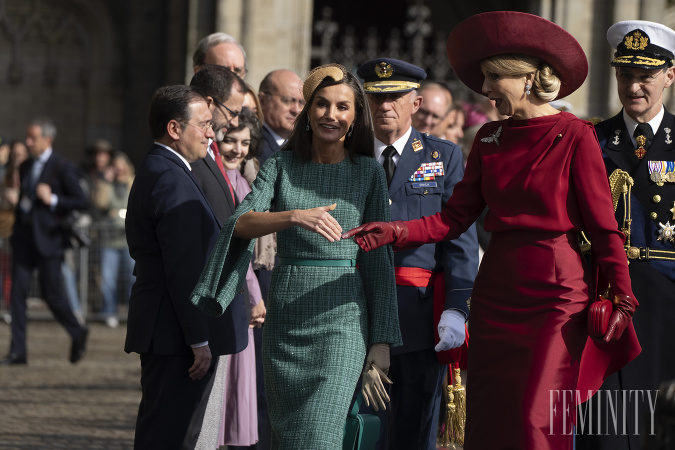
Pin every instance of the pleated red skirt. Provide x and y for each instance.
(528, 331)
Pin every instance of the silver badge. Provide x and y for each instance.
(494, 137)
(616, 137)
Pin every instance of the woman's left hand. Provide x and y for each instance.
(320, 221)
(624, 308)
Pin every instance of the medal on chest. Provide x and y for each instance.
(661, 171)
(428, 171)
(640, 152)
(667, 232)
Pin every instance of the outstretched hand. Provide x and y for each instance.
(376, 234)
(320, 221)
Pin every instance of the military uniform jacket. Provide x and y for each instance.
(412, 198)
(651, 204)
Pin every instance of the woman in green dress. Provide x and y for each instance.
(330, 304)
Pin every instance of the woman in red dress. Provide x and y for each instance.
(540, 173)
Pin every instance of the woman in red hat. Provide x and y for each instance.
(540, 173)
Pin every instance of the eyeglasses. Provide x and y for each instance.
(288, 101)
(425, 113)
(239, 71)
(203, 128)
(233, 114)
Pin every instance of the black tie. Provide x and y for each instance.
(643, 136)
(389, 166)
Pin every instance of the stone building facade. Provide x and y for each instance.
(92, 65)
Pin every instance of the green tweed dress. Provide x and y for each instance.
(320, 320)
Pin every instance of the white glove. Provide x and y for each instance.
(374, 376)
(451, 330)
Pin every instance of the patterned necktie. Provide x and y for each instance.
(643, 136)
(389, 166)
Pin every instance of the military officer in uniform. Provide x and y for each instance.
(639, 152)
(421, 171)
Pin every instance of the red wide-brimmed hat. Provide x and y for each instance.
(501, 32)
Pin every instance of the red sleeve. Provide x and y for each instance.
(461, 210)
(594, 198)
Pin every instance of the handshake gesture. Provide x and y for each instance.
(376, 234)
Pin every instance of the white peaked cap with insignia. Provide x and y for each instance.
(640, 43)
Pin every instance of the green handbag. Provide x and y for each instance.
(362, 431)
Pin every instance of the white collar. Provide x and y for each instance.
(399, 144)
(44, 156)
(177, 154)
(631, 124)
(278, 139)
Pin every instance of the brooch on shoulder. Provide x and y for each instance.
(494, 137)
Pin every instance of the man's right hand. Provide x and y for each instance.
(202, 362)
(376, 234)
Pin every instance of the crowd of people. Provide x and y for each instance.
(340, 237)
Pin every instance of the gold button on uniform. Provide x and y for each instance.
(426, 192)
(653, 215)
(656, 198)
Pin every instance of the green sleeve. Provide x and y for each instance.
(225, 272)
(377, 270)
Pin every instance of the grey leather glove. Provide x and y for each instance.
(374, 375)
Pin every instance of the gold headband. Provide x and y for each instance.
(317, 75)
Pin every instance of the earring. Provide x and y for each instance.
(307, 127)
(351, 128)
(527, 89)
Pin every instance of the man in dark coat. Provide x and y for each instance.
(639, 154)
(50, 190)
(171, 230)
(281, 101)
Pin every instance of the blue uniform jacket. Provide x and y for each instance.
(618, 152)
(457, 259)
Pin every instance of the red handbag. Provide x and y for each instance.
(598, 315)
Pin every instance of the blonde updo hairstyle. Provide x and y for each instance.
(546, 83)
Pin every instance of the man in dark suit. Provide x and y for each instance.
(50, 190)
(224, 93)
(281, 101)
(639, 151)
(223, 50)
(171, 230)
(405, 153)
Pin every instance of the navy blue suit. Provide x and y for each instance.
(269, 146)
(171, 230)
(415, 371)
(653, 280)
(39, 240)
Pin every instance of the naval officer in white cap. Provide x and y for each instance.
(639, 151)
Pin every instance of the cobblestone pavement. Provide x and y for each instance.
(53, 404)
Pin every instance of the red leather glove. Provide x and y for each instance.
(376, 234)
(624, 308)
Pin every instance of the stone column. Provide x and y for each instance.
(275, 34)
